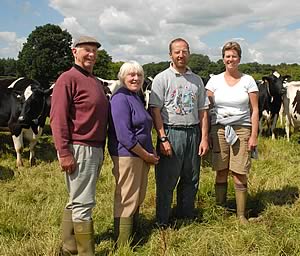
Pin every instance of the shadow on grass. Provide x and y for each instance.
(104, 236)
(6, 144)
(285, 196)
(279, 132)
(6, 173)
(141, 237)
(44, 149)
(144, 230)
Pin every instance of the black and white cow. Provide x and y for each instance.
(291, 106)
(24, 106)
(111, 86)
(271, 90)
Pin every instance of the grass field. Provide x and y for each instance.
(32, 200)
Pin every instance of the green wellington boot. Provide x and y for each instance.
(221, 193)
(241, 201)
(69, 246)
(123, 230)
(84, 235)
(136, 220)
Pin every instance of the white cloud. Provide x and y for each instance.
(142, 29)
(10, 45)
(280, 46)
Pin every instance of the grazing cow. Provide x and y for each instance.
(24, 106)
(291, 103)
(111, 86)
(271, 90)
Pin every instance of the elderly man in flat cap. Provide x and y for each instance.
(78, 119)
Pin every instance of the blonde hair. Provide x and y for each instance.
(128, 67)
(232, 46)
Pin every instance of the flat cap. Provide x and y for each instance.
(86, 40)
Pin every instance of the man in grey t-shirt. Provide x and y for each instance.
(179, 107)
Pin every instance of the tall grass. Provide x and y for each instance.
(32, 200)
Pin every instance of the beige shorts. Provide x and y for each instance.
(236, 157)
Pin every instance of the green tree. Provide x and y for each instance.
(46, 54)
(199, 64)
(102, 67)
(114, 68)
(8, 67)
(2, 65)
(152, 69)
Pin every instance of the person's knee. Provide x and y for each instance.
(222, 175)
(239, 179)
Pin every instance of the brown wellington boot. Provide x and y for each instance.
(84, 235)
(241, 201)
(221, 193)
(69, 246)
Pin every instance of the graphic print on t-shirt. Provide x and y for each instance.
(183, 100)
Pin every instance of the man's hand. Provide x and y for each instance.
(67, 163)
(203, 147)
(165, 148)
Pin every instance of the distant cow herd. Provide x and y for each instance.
(25, 105)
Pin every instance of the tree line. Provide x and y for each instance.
(47, 53)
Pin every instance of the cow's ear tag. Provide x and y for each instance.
(275, 73)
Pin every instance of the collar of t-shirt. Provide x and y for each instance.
(188, 70)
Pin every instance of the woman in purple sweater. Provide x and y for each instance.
(131, 149)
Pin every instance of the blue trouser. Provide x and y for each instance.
(182, 169)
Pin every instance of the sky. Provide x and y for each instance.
(268, 30)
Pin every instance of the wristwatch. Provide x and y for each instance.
(163, 139)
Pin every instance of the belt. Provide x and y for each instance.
(172, 126)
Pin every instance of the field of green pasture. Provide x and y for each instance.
(32, 200)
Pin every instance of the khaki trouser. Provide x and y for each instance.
(81, 184)
(131, 175)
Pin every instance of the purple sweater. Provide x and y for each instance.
(79, 111)
(129, 124)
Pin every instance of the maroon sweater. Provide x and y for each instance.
(79, 111)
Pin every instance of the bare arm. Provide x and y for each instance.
(203, 118)
(253, 96)
(210, 96)
(165, 147)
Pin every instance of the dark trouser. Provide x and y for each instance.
(182, 169)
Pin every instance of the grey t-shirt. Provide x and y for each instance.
(179, 96)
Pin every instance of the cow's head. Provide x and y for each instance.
(275, 83)
(34, 104)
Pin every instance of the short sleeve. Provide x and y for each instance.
(157, 92)
(252, 86)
